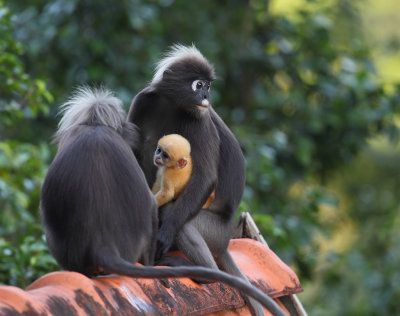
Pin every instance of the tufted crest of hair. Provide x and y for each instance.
(181, 54)
(92, 107)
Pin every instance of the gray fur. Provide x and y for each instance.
(98, 211)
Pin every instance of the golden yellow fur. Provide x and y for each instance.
(171, 179)
(172, 176)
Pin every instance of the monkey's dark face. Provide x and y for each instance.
(201, 89)
(187, 83)
(161, 157)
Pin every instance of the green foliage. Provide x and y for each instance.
(21, 174)
(23, 252)
(300, 93)
(367, 270)
(21, 265)
(309, 107)
(22, 97)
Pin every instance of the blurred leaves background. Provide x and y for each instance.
(309, 87)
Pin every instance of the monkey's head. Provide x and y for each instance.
(172, 151)
(185, 77)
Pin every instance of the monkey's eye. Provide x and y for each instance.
(165, 155)
(158, 150)
(197, 84)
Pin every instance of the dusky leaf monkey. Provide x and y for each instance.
(174, 162)
(177, 101)
(98, 212)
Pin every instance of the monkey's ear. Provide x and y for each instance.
(182, 163)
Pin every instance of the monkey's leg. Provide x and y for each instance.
(217, 232)
(194, 247)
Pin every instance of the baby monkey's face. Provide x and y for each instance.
(161, 157)
(173, 151)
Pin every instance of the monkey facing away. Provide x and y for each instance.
(98, 212)
(177, 101)
(172, 157)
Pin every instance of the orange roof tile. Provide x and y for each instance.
(71, 293)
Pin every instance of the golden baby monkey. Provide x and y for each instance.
(172, 157)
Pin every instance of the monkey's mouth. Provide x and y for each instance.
(204, 105)
(157, 162)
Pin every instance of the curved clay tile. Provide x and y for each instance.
(71, 293)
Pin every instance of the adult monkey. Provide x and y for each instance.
(177, 101)
(99, 214)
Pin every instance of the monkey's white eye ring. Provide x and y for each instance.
(197, 84)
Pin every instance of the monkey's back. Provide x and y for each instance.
(89, 197)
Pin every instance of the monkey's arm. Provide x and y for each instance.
(157, 184)
(231, 171)
(165, 193)
(164, 197)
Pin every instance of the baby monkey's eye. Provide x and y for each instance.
(158, 150)
(165, 155)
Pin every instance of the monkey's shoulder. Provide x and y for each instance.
(145, 100)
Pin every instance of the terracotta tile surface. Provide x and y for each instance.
(70, 293)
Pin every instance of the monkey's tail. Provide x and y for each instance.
(91, 106)
(113, 264)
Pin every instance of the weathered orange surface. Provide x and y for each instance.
(71, 293)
